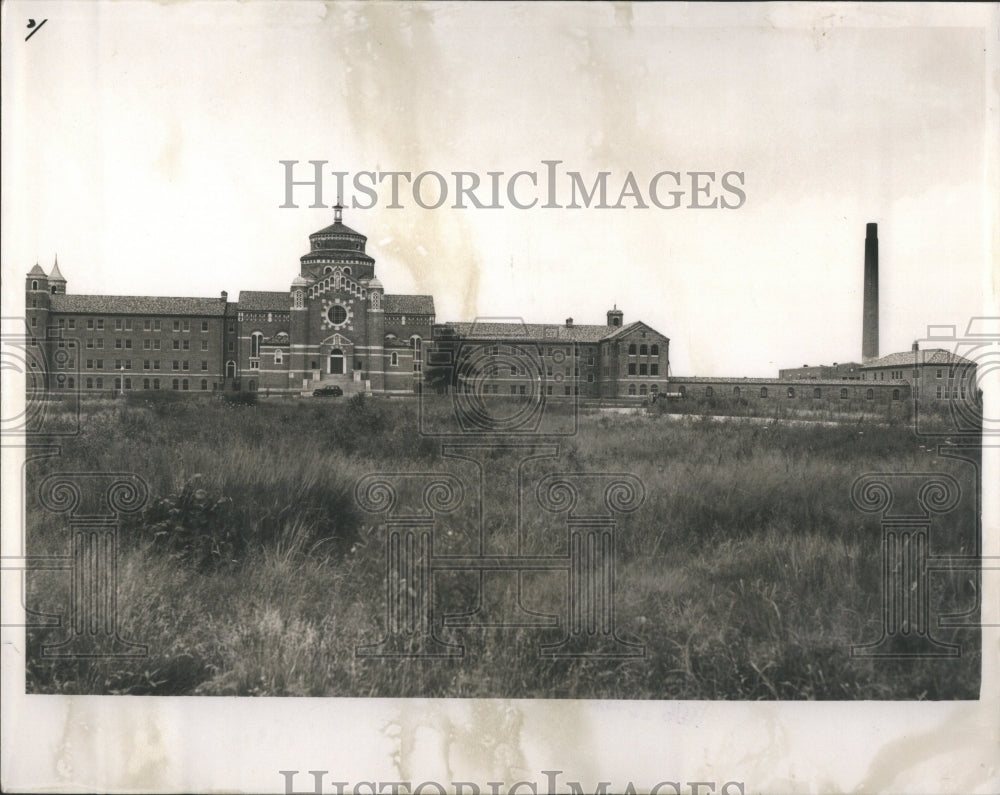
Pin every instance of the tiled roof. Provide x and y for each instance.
(535, 332)
(136, 305)
(923, 357)
(409, 304)
(263, 300)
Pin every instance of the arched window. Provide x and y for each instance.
(843, 394)
(631, 389)
(204, 384)
(895, 394)
(643, 350)
(255, 339)
(230, 369)
(709, 392)
(654, 350)
(870, 394)
(817, 393)
(736, 391)
(278, 357)
(763, 391)
(336, 362)
(642, 389)
(791, 391)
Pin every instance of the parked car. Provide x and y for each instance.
(328, 391)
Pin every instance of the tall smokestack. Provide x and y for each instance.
(869, 327)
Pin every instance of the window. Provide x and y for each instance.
(791, 391)
(843, 394)
(709, 392)
(204, 384)
(631, 388)
(817, 393)
(870, 394)
(763, 391)
(631, 349)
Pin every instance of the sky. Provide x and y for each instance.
(142, 145)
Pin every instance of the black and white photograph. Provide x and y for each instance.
(500, 397)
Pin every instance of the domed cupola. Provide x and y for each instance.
(337, 245)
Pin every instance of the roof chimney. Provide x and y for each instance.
(569, 322)
(869, 320)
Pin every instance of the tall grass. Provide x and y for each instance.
(746, 573)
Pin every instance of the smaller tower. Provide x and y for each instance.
(57, 283)
(615, 316)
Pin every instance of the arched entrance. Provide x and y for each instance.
(337, 362)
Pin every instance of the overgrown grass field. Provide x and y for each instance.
(746, 573)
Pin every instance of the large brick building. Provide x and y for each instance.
(334, 325)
